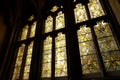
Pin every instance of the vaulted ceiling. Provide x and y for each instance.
(16, 9)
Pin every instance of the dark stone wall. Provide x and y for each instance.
(115, 4)
(2, 30)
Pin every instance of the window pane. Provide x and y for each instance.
(24, 32)
(49, 24)
(31, 18)
(95, 8)
(33, 28)
(108, 46)
(60, 56)
(74, 0)
(28, 61)
(80, 13)
(47, 55)
(87, 51)
(55, 8)
(60, 23)
(18, 63)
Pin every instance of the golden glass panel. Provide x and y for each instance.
(60, 68)
(28, 61)
(62, 53)
(108, 46)
(60, 56)
(46, 70)
(60, 22)
(74, 1)
(84, 34)
(87, 53)
(80, 13)
(55, 8)
(31, 18)
(16, 76)
(33, 28)
(26, 76)
(47, 57)
(95, 8)
(18, 63)
(49, 24)
(24, 32)
(27, 69)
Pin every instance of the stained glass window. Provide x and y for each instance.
(95, 8)
(88, 55)
(74, 0)
(18, 63)
(33, 27)
(47, 55)
(55, 8)
(49, 24)
(24, 32)
(60, 23)
(108, 46)
(31, 18)
(60, 56)
(80, 13)
(28, 62)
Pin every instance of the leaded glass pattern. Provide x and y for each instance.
(95, 9)
(18, 63)
(60, 56)
(80, 13)
(24, 32)
(108, 46)
(28, 62)
(47, 55)
(88, 55)
(49, 24)
(33, 28)
(60, 22)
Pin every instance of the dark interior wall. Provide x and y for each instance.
(11, 12)
(2, 30)
(115, 4)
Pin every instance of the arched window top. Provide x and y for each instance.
(60, 36)
(84, 31)
(48, 24)
(60, 22)
(80, 13)
(60, 13)
(48, 40)
(74, 0)
(49, 17)
(95, 8)
(31, 18)
(55, 8)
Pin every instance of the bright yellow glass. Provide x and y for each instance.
(80, 13)
(60, 56)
